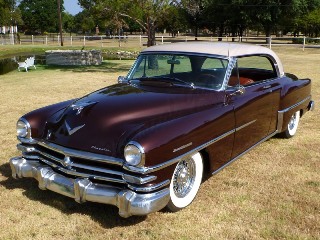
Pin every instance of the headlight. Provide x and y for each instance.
(23, 128)
(134, 154)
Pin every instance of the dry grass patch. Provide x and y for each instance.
(270, 193)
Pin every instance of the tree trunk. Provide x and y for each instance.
(151, 31)
(233, 34)
(267, 29)
(196, 32)
(221, 30)
(241, 30)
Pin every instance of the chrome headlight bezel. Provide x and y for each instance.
(23, 128)
(134, 154)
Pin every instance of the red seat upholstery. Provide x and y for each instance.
(243, 81)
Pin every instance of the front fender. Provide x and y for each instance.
(171, 139)
(38, 118)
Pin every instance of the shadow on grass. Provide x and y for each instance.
(106, 215)
(105, 66)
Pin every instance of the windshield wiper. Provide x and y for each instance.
(171, 79)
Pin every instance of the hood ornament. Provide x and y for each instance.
(80, 106)
(67, 163)
(72, 130)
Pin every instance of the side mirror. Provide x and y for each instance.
(122, 79)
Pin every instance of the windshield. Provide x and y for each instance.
(192, 70)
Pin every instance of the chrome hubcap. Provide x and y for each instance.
(183, 177)
(292, 122)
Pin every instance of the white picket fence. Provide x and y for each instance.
(141, 40)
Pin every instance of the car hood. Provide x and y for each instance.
(105, 120)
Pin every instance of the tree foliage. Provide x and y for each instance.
(84, 21)
(9, 13)
(193, 10)
(221, 17)
(40, 15)
(116, 13)
(310, 23)
(235, 16)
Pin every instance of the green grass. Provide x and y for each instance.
(270, 193)
(7, 51)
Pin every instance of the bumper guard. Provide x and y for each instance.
(82, 189)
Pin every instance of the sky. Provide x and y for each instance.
(72, 7)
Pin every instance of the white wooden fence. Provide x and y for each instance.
(141, 40)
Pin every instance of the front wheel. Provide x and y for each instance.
(292, 125)
(185, 182)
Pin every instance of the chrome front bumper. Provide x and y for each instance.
(82, 189)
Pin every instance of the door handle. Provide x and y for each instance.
(267, 86)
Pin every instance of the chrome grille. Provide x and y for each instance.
(74, 162)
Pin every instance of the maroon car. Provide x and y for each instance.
(184, 110)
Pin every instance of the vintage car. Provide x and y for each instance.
(184, 111)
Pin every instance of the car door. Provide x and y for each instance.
(254, 108)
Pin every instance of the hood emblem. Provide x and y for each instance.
(67, 163)
(80, 106)
(72, 130)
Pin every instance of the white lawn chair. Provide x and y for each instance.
(29, 62)
(23, 65)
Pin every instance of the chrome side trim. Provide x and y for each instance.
(147, 170)
(282, 112)
(81, 154)
(240, 155)
(280, 121)
(82, 189)
(182, 147)
(295, 105)
(151, 188)
(245, 125)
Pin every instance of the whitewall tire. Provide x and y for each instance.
(185, 182)
(292, 125)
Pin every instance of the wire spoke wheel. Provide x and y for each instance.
(185, 182)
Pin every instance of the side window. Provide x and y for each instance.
(255, 62)
(255, 69)
(214, 63)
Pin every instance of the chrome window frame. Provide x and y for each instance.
(130, 73)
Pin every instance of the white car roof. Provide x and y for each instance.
(222, 49)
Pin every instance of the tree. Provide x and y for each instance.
(273, 14)
(40, 15)
(68, 22)
(147, 14)
(175, 21)
(270, 15)
(10, 14)
(84, 21)
(193, 10)
(310, 23)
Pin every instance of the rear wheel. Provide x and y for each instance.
(185, 182)
(292, 125)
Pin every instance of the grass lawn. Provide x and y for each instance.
(7, 51)
(272, 192)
